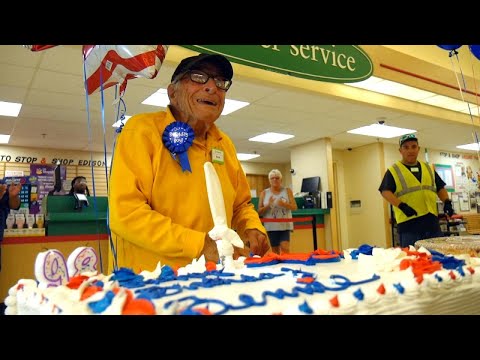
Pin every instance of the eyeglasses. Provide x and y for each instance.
(200, 77)
(274, 178)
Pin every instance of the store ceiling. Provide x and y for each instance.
(49, 84)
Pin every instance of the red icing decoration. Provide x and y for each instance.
(203, 311)
(381, 289)
(405, 264)
(211, 266)
(303, 257)
(76, 281)
(138, 307)
(452, 275)
(334, 301)
(89, 291)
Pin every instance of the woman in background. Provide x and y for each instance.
(277, 202)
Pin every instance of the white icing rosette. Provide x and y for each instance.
(117, 304)
(197, 266)
(152, 275)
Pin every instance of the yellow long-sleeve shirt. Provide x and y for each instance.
(157, 211)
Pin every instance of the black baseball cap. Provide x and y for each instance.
(195, 62)
(407, 137)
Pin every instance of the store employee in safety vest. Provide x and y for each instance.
(412, 186)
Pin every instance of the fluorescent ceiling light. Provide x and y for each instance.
(445, 102)
(366, 84)
(473, 146)
(9, 108)
(243, 157)
(160, 98)
(383, 131)
(473, 109)
(233, 105)
(118, 123)
(271, 137)
(392, 88)
(4, 139)
(411, 93)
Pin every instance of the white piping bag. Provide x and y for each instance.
(221, 233)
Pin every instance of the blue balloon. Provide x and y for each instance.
(449, 47)
(475, 49)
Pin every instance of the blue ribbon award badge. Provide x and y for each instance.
(177, 138)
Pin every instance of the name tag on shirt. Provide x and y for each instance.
(217, 156)
(414, 169)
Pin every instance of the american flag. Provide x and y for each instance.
(116, 64)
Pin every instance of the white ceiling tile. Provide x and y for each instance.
(20, 56)
(58, 82)
(17, 76)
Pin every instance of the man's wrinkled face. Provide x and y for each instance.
(202, 102)
(409, 151)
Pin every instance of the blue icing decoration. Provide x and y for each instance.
(365, 249)
(359, 294)
(305, 308)
(189, 303)
(448, 262)
(166, 271)
(438, 277)
(158, 292)
(399, 288)
(101, 305)
(354, 254)
(189, 311)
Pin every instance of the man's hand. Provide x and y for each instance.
(256, 241)
(210, 250)
(407, 210)
(448, 208)
(237, 252)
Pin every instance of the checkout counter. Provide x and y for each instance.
(66, 230)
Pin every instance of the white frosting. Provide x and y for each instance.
(443, 292)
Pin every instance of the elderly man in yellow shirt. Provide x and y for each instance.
(158, 202)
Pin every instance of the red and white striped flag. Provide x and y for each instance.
(116, 64)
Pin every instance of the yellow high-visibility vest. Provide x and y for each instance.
(421, 196)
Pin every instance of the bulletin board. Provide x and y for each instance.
(446, 174)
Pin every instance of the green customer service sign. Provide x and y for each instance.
(332, 63)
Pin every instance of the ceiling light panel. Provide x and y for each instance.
(382, 131)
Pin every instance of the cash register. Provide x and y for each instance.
(311, 186)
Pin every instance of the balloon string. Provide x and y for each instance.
(120, 115)
(476, 102)
(475, 85)
(89, 129)
(474, 133)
